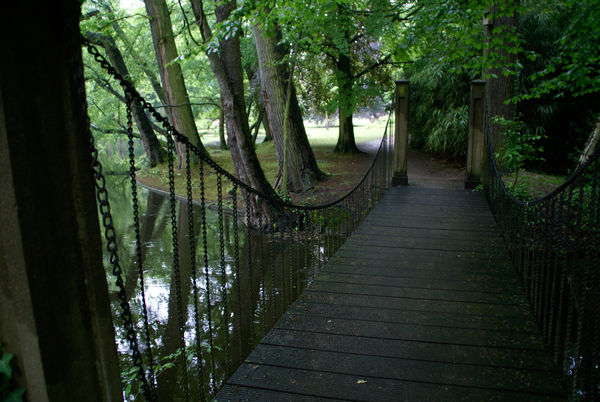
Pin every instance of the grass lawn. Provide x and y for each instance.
(343, 171)
(532, 186)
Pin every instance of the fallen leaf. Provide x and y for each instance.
(254, 367)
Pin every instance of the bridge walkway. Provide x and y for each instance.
(420, 304)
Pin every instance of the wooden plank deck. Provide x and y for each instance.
(420, 304)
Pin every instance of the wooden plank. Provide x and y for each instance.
(395, 253)
(474, 264)
(361, 388)
(384, 240)
(421, 303)
(417, 305)
(434, 282)
(440, 352)
(428, 318)
(391, 291)
(427, 233)
(443, 272)
(444, 373)
(409, 332)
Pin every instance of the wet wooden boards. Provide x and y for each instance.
(420, 304)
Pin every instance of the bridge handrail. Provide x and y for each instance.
(554, 245)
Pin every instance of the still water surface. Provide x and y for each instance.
(245, 301)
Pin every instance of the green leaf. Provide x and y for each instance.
(15, 396)
(5, 365)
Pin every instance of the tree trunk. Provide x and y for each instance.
(227, 67)
(171, 74)
(134, 54)
(267, 128)
(346, 142)
(156, 153)
(499, 89)
(303, 172)
(222, 141)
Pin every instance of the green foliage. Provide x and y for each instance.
(440, 91)
(8, 392)
(519, 145)
(459, 24)
(575, 67)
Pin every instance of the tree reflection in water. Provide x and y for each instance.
(266, 288)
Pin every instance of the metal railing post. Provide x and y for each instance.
(476, 135)
(401, 133)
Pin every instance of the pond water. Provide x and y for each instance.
(215, 302)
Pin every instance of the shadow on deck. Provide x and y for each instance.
(420, 304)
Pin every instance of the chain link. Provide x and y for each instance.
(192, 241)
(223, 273)
(249, 268)
(212, 385)
(138, 247)
(176, 269)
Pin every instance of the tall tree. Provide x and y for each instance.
(139, 59)
(352, 43)
(176, 96)
(302, 169)
(154, 150)
(226, 63)
(500, 27)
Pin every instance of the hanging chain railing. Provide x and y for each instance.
(554, 244)
(229, 298)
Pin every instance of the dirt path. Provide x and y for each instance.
(425, 170)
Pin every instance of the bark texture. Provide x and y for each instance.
(346, 142)
(303, 172)
(499, 89)
(227, 67)
(171, 75)
(154, 150)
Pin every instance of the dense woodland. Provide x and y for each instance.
(235, 67)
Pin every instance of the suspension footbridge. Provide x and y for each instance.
(402, 293)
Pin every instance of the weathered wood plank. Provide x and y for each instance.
(356, 388)
(440, 352)
(443, 373)
(409, 332)
(450, 283)
(428, 318)
(424, 253)
(389, 290)
(417, 305)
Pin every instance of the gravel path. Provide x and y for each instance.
(424, 170)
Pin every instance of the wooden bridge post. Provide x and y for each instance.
(401, 133)
(476, 135)
(55, 315)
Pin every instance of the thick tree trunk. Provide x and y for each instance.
(171, 74)
(227, 67)
(156, 153)
(303, 172)
(499, 89)
(346, 142)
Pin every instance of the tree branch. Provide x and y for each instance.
(114, 131)
(373, 66)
